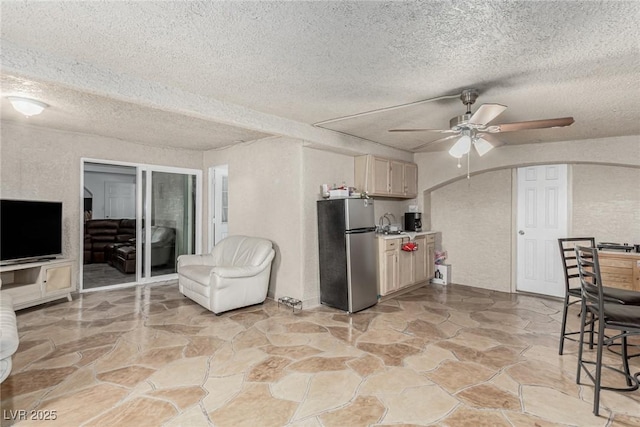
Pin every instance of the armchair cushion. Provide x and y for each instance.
(235, 274)
(9, 339)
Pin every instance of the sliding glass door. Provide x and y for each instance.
(172, 218)
(165, 221)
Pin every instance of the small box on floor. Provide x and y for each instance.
(442, 274)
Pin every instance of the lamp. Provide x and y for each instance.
(461, 147)
(482, 146)
(26, 106)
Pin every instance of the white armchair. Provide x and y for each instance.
(235, 274)
(9, 339)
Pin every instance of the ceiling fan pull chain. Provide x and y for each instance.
(468, 163)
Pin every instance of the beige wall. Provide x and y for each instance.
(439, 168)
(274, 185)
(606, 203)
(474, 218)
(44, 164)
(443, 194)
(265, 200)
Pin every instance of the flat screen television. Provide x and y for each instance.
(30, 230)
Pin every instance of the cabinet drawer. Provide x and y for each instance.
(431, 238)
(390, 245)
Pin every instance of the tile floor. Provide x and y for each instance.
(453, 355)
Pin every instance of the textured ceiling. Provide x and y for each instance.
(313, 61)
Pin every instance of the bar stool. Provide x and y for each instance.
(573, 293)
(570, 267)
(616, 316)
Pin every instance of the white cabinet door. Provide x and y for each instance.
(389, 282)
(396, 174)
(405, 267)
(410, 179)
(380, 176)
(420, 257)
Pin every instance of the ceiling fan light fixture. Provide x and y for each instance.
(482, 146)
(28, 107)
(461, 147)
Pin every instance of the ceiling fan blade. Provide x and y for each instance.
(425, 145)
(423, 130)
(486, 113)
(535, 124)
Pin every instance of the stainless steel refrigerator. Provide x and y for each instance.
(346, 240)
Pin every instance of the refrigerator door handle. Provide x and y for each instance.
(361, 230)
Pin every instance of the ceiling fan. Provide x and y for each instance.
(474, 128)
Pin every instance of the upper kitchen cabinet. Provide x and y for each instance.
(411, 180)
(386, 178)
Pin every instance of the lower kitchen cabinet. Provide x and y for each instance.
(421, 267)
(431, 256)
(388, 271)
(406, 273)
(398, 269)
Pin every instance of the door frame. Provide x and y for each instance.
(212, 203)
(140, 205)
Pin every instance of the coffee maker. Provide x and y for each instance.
(413, 221)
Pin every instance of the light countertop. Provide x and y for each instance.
(404, 234)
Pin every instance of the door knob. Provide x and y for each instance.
(521, 232)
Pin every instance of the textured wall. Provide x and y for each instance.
(439, 168)
(474, 218)
(265, 187)
(606, 203)
(273, 188)
(44, 164)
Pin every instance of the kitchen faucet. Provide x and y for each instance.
(383, 217)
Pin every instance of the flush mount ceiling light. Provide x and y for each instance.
(26, 106)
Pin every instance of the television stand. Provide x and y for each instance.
(39, 281)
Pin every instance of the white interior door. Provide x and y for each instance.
(119, 200)
(219, 207)
(542, 219)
